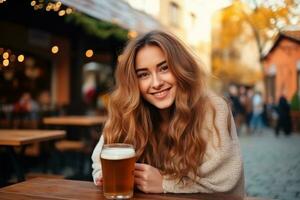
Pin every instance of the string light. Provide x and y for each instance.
(8, 57)
(61, 13)
(5, 62)
(54, 49)
(5, 55)
(33, 3)
(21, 58)
(89, 53)
(56, 7)
(69, 11)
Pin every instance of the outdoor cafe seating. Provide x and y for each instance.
(71, 153)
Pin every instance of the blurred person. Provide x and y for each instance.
(236, 106)
(102, 103)
(256, 122)
(184, 134)
(27, 107)
(248, 108)
(284, 121)
(91, 91)
(233, 96)
(271, 112)
(26, 112)
(242, 95)
(47, 108)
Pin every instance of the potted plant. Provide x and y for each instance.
(295, 111)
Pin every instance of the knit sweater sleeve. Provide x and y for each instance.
(222, 169)
(97, 171)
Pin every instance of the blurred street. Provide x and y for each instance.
(272, 165)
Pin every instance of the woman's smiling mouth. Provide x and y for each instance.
(161, 94)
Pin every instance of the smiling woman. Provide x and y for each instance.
(156, 82)
(184, 135)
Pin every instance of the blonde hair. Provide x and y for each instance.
(133, 120)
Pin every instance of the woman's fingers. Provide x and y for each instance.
(141, 188)
(141, 184)
(140, 170)
(99, 181)
(140, 166)
(138, 173)
(139, 181)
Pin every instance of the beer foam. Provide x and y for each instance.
(116, 153)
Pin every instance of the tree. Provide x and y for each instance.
(266, 20)
(243, 33)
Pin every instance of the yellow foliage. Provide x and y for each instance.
(231, 26)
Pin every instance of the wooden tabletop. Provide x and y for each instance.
(19, 137)
(43, 188)
(75, 120)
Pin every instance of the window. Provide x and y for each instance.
(270, 81)
(174, 14)
(271, 87)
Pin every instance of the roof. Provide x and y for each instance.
(269, 45)
(116, 11)
(290, 32)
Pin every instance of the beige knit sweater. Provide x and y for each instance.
(222, 168)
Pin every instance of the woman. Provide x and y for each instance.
(184, 135)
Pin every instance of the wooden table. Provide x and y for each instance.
(42, 188)
(75, 120)
(21, 137)
(12, 138)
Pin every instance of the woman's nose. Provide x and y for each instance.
(157, 82)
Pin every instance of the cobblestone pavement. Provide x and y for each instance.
(272, 165)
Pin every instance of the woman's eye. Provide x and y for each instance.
(164, 68)
(142, 75)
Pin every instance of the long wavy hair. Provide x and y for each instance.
(133, 120)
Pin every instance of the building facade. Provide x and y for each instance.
(190, 20)
(282, 66)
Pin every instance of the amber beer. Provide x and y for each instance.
(117, 162)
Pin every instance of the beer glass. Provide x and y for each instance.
(117, 162)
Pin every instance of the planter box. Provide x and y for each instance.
(295, 115)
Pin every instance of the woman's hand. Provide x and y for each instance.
(99, 181)
(148, 179)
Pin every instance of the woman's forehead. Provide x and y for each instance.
(149, 56)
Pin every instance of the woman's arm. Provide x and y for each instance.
(97, 171)
(222, 169)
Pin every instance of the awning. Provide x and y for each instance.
(116, 11)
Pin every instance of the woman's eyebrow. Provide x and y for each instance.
(161, 63)
(140, 69)
(157, 65)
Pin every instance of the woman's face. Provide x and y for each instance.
(157, 83)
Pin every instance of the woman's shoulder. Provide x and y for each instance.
(217, 101)
(217, 119)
